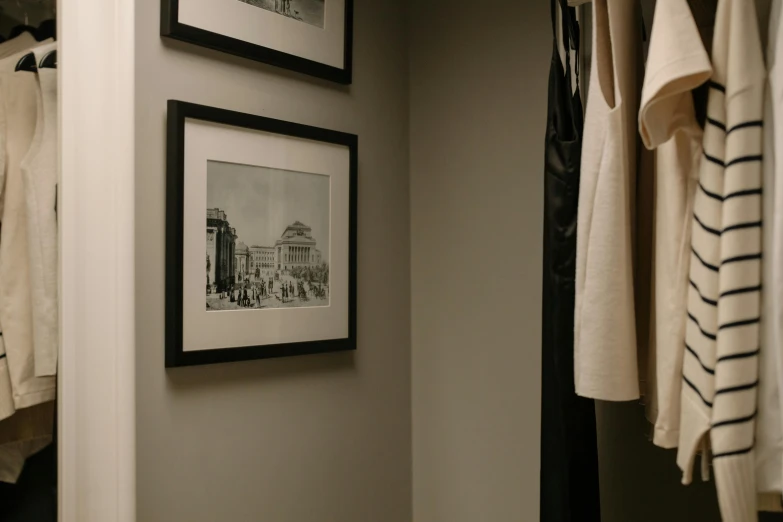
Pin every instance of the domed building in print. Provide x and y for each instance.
(296, 247)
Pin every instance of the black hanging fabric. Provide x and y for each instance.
(34, 496)
(569, 455)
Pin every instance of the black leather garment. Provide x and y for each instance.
(569, 456)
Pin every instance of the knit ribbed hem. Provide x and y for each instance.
(735, 481)
(694, 426)
(769, 467)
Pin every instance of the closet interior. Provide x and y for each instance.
(29, 338)
(679, 194)
(600, 70)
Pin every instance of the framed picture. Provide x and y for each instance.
(313, 37)
(260, 237)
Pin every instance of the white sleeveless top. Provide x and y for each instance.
(605, 347)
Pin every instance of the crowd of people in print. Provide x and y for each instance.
(253, 295)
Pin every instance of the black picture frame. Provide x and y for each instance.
(171, 27)
(178, 112)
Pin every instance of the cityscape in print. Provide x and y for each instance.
(267, 238)
(307, 11)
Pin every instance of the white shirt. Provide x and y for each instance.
(677, 63)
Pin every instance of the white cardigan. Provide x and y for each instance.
(720, 369)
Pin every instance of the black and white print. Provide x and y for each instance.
(267, 238)
(308, 11)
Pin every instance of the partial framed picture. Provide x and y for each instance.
(313, 37)
(260, 237)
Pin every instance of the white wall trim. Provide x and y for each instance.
(96, 216)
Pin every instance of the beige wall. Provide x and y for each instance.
(322, 438)
(478, 106)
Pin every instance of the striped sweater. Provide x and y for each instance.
(720, 369)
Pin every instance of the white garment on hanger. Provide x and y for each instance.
(28, 430)
(605, 347)
(13, 50)
(19, 92)
(22, 43)
(677, 64)
(39, 170)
